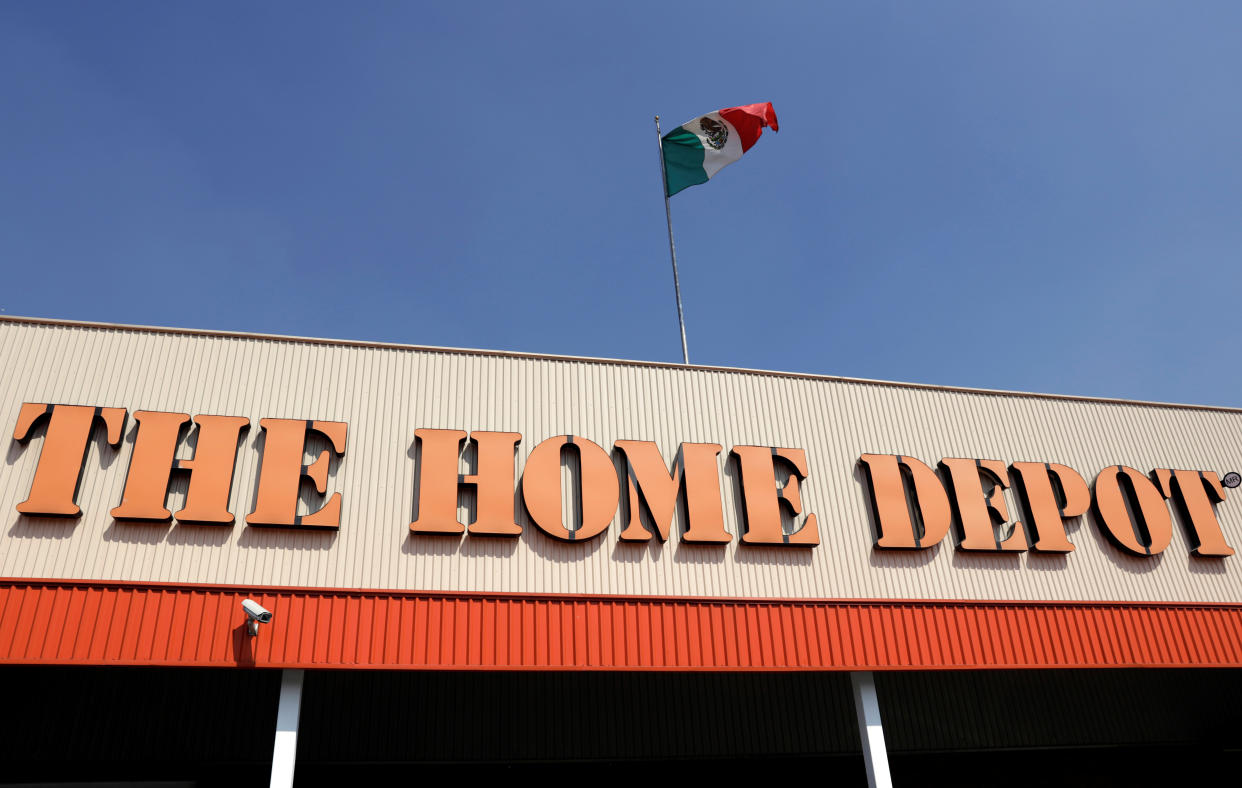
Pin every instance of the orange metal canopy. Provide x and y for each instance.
(116, 623)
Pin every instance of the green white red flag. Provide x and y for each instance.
(696, 151)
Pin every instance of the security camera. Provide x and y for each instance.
(257, 614)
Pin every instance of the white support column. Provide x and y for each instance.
(285, 750)
(871, 730)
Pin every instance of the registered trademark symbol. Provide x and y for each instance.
(1232, 479)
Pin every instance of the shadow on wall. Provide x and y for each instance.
(146, 532)
(97, 451)
(555, 550)
(1087, 530)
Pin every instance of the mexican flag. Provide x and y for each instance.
(697, 150)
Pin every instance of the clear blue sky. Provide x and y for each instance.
(1043, 196)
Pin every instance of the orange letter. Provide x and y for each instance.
(439, 482)
(152, 464)
(978, 516)
(695, 468)
(54, 490)
(282, 471)
(762, 500)
(887, 477)
(1147, 532)
(1194, 492)
(1047, 514)
(541, 488)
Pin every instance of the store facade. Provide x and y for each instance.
(447, 521)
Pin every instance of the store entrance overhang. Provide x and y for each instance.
(119, 623)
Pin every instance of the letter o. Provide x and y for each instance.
(541, 488)
(1148, 502)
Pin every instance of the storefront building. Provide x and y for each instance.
(508, 560)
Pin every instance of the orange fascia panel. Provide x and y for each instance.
(116, 623)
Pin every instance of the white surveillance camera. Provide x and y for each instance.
(257, 614)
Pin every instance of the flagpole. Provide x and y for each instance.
(672, 249)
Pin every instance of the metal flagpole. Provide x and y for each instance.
(672, 250)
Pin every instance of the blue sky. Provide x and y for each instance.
(1039, 196)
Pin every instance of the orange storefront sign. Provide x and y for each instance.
(980, 505)
(914, 506)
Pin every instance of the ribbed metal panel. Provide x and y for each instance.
(984, 710)
(79, 623)
(552, 716)
(214, 727)
(75, 726)
(385, 393)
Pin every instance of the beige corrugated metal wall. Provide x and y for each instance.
(385, 393)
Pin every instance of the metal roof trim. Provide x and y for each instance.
(84, 623)
(599, 360)
(407, 593)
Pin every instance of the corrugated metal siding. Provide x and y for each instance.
(75, 726)
(100, 623)
(986, 710)
(417, 716)
(385, 393)
(214, 727)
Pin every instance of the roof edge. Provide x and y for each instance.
(204, 332)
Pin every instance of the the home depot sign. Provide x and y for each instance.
(914, 507)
